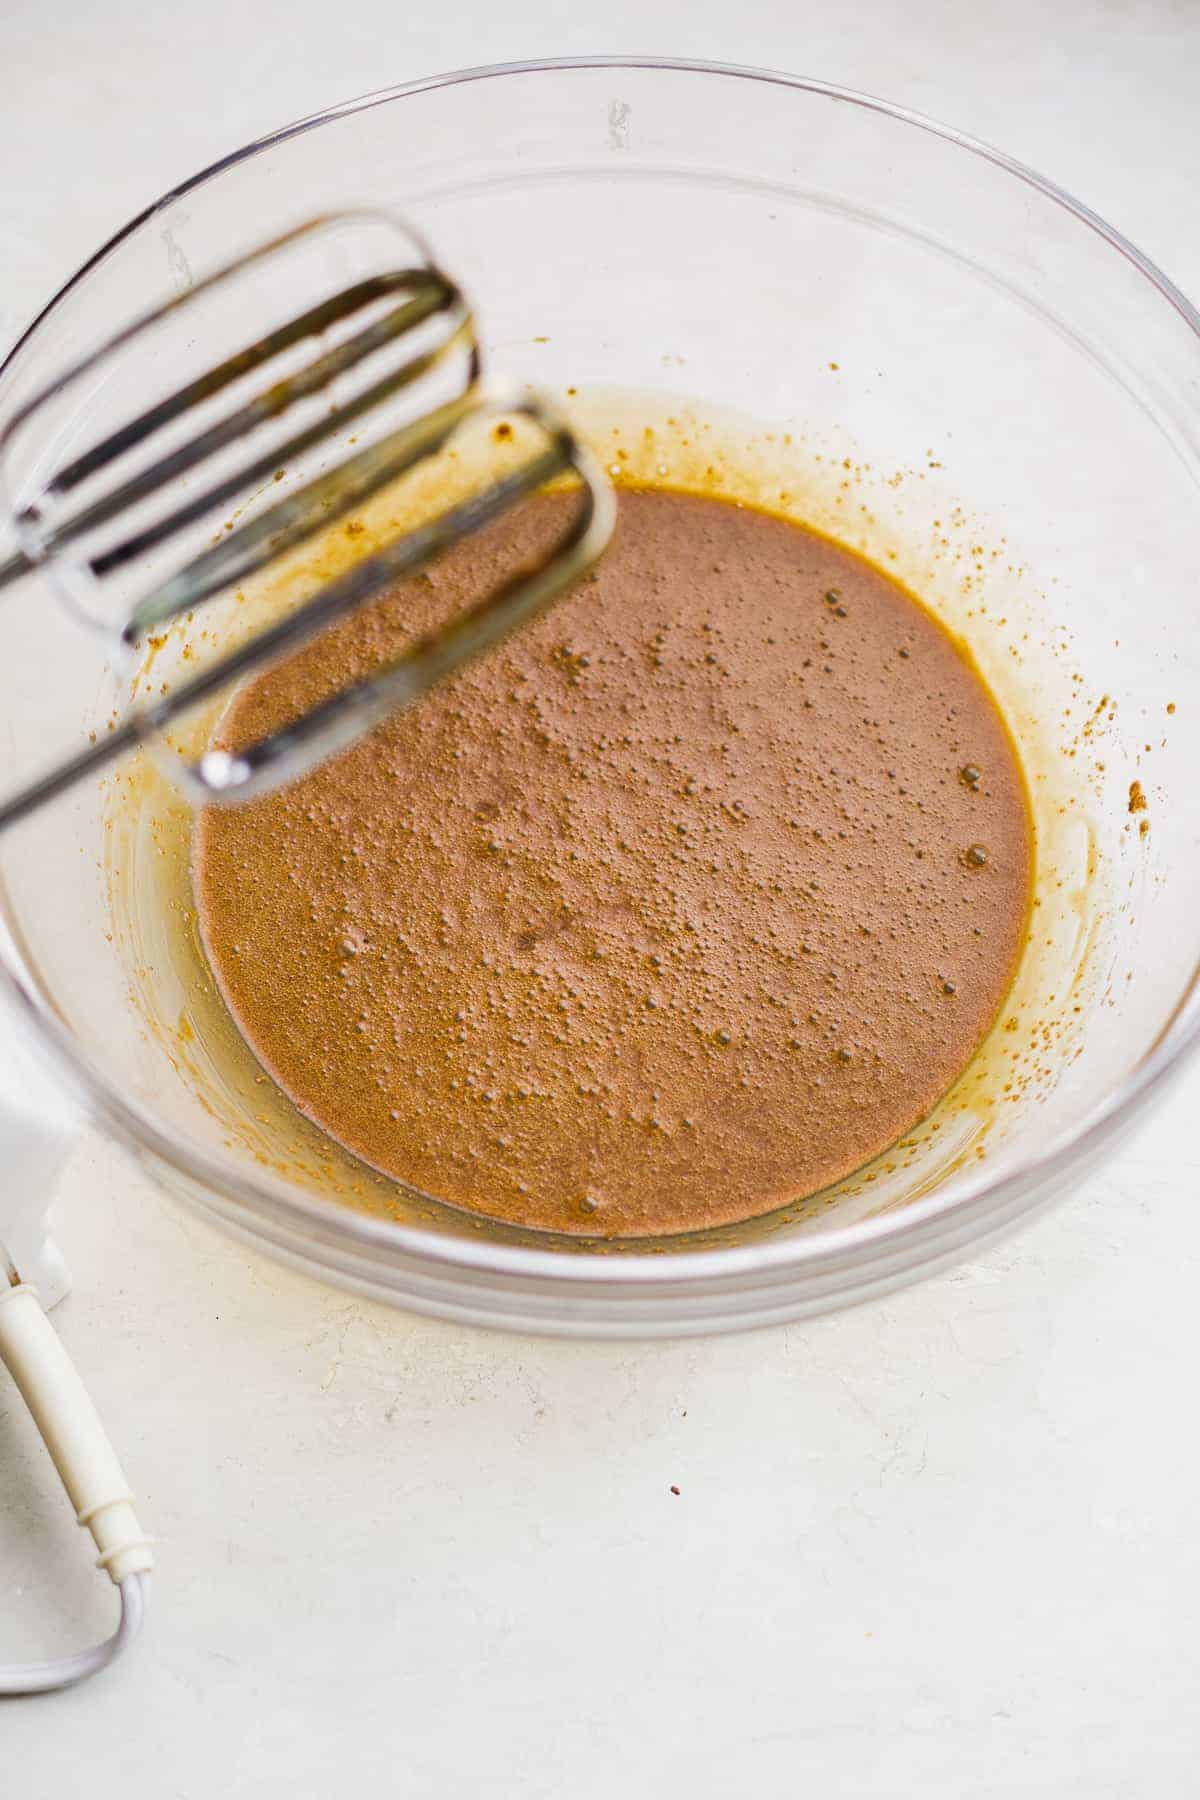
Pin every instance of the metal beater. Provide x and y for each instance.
(135, 524)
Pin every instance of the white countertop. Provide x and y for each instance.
(942, 1544)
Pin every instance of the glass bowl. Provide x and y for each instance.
(813, 298)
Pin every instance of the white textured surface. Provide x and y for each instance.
(946, 1544)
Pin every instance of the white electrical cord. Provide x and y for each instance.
(70, 1426)
(50, 1677)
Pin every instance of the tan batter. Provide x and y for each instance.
(688, 901)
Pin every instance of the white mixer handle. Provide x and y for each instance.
(38, 1128)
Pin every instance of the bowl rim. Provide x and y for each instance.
(1005, 1195)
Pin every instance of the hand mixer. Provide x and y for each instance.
(180, 498)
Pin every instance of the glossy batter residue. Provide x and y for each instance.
(687, 902)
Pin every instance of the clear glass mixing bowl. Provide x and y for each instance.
(925, 348)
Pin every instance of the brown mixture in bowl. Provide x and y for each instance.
(685, 903)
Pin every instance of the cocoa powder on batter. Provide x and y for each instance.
(685, 903)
